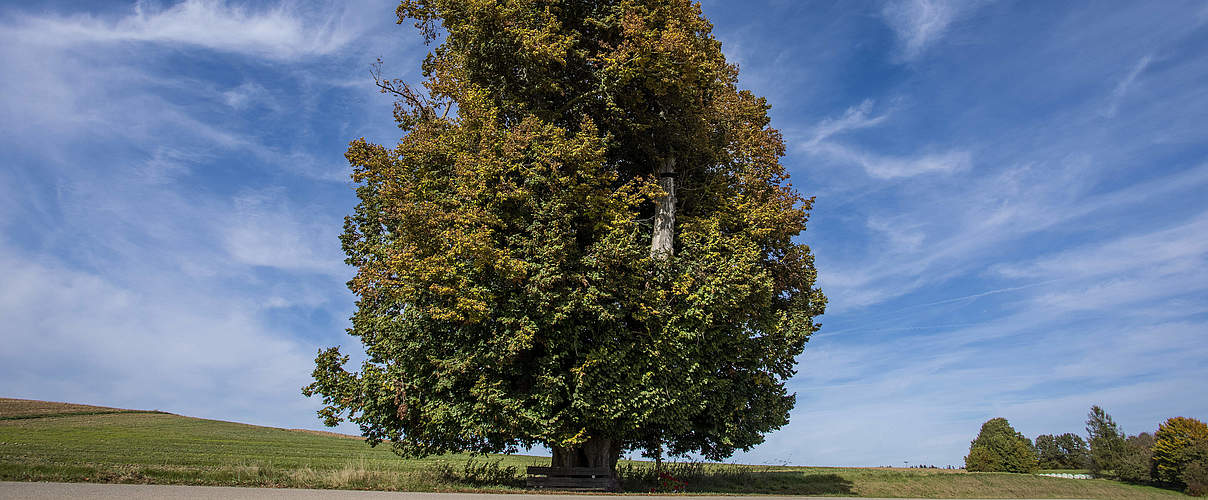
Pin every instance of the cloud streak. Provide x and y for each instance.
(878, 166)
(919, 24)
(1124, 86)
(279, 32)
(855, 118)
(892, 167)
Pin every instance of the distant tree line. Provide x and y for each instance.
(1174, 456)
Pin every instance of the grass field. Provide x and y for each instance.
(42, 441)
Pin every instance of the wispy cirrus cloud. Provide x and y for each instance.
(136, 337)
(954, 233)
(263, 230)
(159, 203)
(919, 24)
(1039, 353)
(855, 118)
(1125, 86)
(1160, 265)
(283, 31)
(1175, 250)
(880, 166)
(895, 167)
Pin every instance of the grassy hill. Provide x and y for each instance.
(42, 441)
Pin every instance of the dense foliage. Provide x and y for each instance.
(1195, 475)
(1106, 441)
(1179, 442)
(999, 448)
(508, 294)
(1135, 464)
(1067, 451)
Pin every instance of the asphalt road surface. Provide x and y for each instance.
(57, 491)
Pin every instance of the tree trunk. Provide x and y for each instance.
(662, 244)
(596, 452)
(658, 458)
(663, 240)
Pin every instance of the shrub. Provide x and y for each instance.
(1195, 476)
(1135, 464)
(999, 448)
(1106, 441)
(1178, 442)
(477, 473)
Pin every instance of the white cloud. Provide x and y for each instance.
(820, 143)
(281, 32)
(902, 235)
(138, 280)
(918, 24)
(1176, 250)
(893, 167)
(1128, 271)
(961, 228)
(159, 343)
(262, 230)
(244, 95)
(855, 118)
(69, 95)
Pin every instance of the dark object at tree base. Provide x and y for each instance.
(572, 478)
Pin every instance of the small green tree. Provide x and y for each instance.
(999, 448)
(1178, 442)
(1074, 451)
(1135, 465)
(1106, 441)
(1067, 451)
(1048, 452)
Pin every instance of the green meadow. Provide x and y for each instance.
(42, 441)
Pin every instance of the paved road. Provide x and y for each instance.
(144, 491)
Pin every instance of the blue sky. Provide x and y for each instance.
(1011, 221)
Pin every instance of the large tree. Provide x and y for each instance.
(584, 240)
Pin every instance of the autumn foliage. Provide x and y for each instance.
(507, 292)
(1179, 442)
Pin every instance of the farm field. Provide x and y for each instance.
(41, 441)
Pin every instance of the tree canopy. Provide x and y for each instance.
(1137, 461)
(999, 448)
(1067, 451)
(1106, 441)
(584, 240)
(1178, 442)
